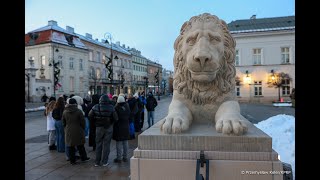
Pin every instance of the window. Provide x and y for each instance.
(90, 56)
(286, 87)
(237, 91)
(258, 88)
(98, 73)
(71, 84)
(43, 60)
(98, 56)
(104, 58)
(105, 73)
(60, 61)
(81, 65)
(71, 63)
(237, 60)
(256, 56)
(92, 73)
(285, 58)
(81, 84)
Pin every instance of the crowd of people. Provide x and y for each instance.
(98, 118)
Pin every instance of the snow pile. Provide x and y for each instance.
(282, 130)
(35, 109)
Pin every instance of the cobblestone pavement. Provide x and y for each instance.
(40, 163)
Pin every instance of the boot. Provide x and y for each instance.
(53, 147)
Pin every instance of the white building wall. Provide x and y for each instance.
(271, 44)
(66, 52)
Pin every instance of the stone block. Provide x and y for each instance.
(205, 137)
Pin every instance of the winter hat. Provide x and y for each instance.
(88, 98)
(114, 96)
(72, 101)
(110, 96)
(120, 99)
(78, 99)
(121, 94)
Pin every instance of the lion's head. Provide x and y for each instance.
(204, 59)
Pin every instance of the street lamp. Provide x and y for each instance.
(109, 64)
(146, 84)
(157, 78)
(56, 71)
(28, 79)
(164, 86)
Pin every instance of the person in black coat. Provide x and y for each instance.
(151, 104)
(121, 130)
(104, 116)
(92, 125)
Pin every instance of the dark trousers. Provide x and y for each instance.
(142, 120)
(137, 122)
(72, 153)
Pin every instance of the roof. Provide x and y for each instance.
(115, 47)
(51, 27)
(54, 33)
(262, 24)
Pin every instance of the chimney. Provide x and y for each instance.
(253, 16)
(89, 35)
(118, 43)
(123, 45)
(97, 39)
(52, 23)
(70, 29)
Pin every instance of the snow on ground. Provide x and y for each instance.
(282, 130)
(34, 109)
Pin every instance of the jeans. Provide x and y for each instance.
(119, 150)
(86, 129)
(60, 136)
(150, 116)
(103, 140)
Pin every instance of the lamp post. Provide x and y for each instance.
(28, 79)
(56, 71)
(164, 86)
(109, 64)
(146, 85)
(157, 77)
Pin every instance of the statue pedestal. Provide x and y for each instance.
(174, 156)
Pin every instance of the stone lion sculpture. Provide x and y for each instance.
(204, 79)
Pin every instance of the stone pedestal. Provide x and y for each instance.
(174, 156)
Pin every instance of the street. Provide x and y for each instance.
(40, 163)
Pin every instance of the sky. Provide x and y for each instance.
(150, 26)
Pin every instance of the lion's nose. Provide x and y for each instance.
(202, 58)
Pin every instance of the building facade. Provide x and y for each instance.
(51, 48)
(265, 48)
(140, 67)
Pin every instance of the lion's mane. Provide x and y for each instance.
(224, 82)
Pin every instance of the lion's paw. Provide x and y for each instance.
(234, 126)
(173, 125)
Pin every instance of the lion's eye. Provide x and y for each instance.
(215, 39)
(191, 40)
